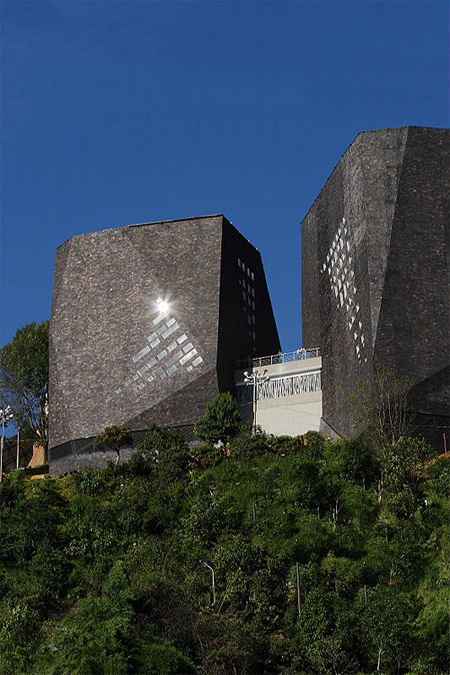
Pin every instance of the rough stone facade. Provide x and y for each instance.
(376, 273)
(147, 321)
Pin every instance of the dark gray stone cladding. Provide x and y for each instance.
(80, 453)
(103, 318)
(387, 204)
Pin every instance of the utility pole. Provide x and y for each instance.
(5, 416)
(253, 379)
(299, 605)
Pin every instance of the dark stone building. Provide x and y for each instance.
(147, 321)
(376, 274)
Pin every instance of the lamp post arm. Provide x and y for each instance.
(213, 582)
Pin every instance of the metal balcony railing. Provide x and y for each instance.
(284, 357)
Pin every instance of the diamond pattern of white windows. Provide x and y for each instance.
(170, 349)
(246, 282)
(341, 273)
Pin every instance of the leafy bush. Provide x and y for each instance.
(113, 438)
(221, 421)
(163, 659)
(404, 466)
(249, 442)
(160, 446)
(283, 444)
(276, 557)
(351, 460)
(205, 456)
(315, 444)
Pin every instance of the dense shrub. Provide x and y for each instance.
(281, 556)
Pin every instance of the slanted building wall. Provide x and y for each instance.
(146, 323)
(375, 260)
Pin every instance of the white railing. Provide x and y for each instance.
(276, 387)
(286, 357)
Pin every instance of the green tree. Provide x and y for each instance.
(318, 641)
(111, 571)
(388, 624)
(351, 460)
(161, 658)
(95, 637)
(249, 442)
(114, 438)
(381, 409)
(24, 379)
(160, 446)
(403, 474)
(221, 421)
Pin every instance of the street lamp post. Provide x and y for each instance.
(253, 379)
(18, 449)
(5, 416)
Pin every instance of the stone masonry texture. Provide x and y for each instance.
(147, 321)
(376, 272)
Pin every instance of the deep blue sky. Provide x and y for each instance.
(115, 113)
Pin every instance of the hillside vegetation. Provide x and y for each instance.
(283, 556)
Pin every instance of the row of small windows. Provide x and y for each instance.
(248, 296)
(246, 269)
(247, 287)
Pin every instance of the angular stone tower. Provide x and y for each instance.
(376, 273)
(147, 321)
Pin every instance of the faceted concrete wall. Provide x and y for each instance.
(147, 321)
(375, 270)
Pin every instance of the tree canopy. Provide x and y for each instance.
(114, 438)
(221, 420)
(24, 366)
(282, 557)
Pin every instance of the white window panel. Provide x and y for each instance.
(140, 354)
(187, 357)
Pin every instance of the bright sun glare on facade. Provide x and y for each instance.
(163, 306)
